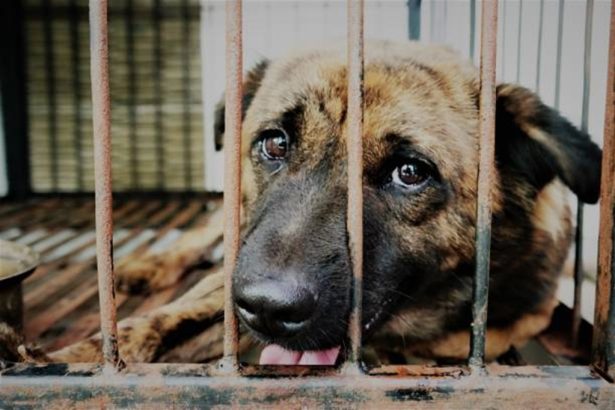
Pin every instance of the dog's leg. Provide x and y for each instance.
(145, 338)
(155, 271)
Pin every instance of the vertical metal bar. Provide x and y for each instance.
(187, 117)
(486, 179)
(472, 28)
(539, 47)
(432, 21)
(157, 38)
(414, 19)
(101, 116)
(354, 143)
(578, 260)
(51, 94)
(132, 93)
(604, 322)
(503, 45)
(558, 55)
(519, 27)
(232, 173)
(76, 77)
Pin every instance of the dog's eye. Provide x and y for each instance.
(274, 145)
(412, 173)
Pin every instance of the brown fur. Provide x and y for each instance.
(425, 97)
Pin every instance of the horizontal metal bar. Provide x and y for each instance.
(604, 322)
(486, 179)
(232, 173)
(184, 386)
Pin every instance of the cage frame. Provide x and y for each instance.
(228, 382)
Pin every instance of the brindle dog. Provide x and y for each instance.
(292, 285)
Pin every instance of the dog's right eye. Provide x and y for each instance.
(273, 144)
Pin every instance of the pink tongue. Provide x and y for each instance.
(276, 354)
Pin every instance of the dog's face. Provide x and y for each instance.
(292, 285)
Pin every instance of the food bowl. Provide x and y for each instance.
(17, 262)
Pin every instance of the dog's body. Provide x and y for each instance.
(420, 172)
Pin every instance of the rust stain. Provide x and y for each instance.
(604, 323)
(101, 115)
(232, 174)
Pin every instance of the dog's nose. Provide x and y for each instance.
(275, 308)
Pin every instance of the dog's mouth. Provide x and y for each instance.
(274, 354)
(277, 355)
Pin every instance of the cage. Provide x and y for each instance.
(164, 71)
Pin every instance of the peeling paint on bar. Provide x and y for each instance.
(486, 179)
(170, 386)
(101, 115)
(604, 322)
(232, 175)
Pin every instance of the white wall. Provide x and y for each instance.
(273, 28)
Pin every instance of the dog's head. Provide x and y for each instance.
(292, 285)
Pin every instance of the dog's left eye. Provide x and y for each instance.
(274, 144)
(412, 173)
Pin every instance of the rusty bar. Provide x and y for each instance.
(578, 255)
(232, 174)
(486, 179)
(101, 116)
(558, 55)
(354, 143)
(184, 386)
(604, 322)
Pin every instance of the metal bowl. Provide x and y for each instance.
(17, 262)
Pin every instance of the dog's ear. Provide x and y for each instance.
(250, 86)
(536, 142)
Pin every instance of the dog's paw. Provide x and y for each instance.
(10, 341)
(147, 274)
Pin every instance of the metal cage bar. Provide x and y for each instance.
(472, 28)
(539, 46)
(519, 31)
(101, 116)
(578, 256)
(355, 168)
(486, 179)
(232, 173)
(604, 322)
(558, 55)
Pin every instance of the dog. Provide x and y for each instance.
(293, 282)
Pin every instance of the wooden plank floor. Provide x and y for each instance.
(61, 297)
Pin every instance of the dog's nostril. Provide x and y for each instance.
(275, 308)
(242, 304)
